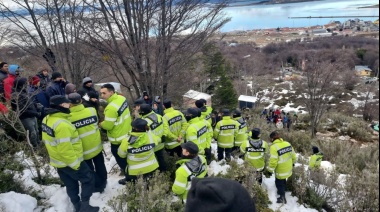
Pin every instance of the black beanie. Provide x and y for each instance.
(218, 195)
(199, 103)
(315, 150)
(167, 104)
(56, 75)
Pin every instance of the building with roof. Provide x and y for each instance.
(363, 71)
(191, 96)
(247, 101)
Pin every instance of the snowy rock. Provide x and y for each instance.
(344, 138)
(15, 202)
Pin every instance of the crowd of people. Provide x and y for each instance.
(140, 136)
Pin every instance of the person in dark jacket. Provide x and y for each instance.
(90, 100)
(88, 87)
(157, 106)
(3, 76)
(146, 98)
(23, 105)
(57, 86)
(43, 74)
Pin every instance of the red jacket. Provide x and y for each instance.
(3, 109)
(8, 85)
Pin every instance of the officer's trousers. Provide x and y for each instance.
(71, 179)
(281, 186)
(177, 150)
(122, 162)
(161, 160)
(97, 165)
(221, 152)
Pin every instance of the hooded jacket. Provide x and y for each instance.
(138, 148)
(56, 88)
(89, 90)
(189, 169)
(255, 151)
(44, 80)
(160, 107)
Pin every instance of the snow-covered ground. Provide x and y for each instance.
(56, 199)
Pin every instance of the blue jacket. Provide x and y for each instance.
(56, 88)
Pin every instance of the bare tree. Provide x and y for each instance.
(49, 29)
(321, 79)
(148, 43)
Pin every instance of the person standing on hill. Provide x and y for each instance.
(197, 131)
(225, 134)
(282, 159)
(117, 121)
(85, 121)
(14, 72)
(43, 75)
(255, 151)
(315, 159)
(138, 148)
(66, 153)
(156, 126)
(57, 86)
(242, 130)
(191, 166)
(26, 109)
(3, 75)
(205, 111)
(175, 126)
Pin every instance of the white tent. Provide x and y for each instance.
(247, 101)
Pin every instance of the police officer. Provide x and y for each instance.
(207, 145)
(255, 151)
(225, 133)
(197, 131)
(191, 166)
(206, 111)
(156, 125)
(86, 122)
(66, 153)
(138, 148)
(175, 126)
(282, 159)
(117, 120)
(242, 135)
(315, 159)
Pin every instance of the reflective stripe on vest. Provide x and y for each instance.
(133, 157)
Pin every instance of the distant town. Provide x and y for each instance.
(262, 37)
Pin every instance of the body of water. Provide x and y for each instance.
(273, 16)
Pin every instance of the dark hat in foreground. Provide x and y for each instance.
(192, 111)
(237, 112)
(145, 109)
(58, 100)
(191, 147)
(138, 102)
(75, 98)
(199, 103)
(218, 195)
(256, 133)
(139, 124)
(226, 112)
(167, 104)
(315, 149)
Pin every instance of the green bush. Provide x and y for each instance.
(153, 195)
(7, 183)
(246, 175)
(301, 141)
(358, 130)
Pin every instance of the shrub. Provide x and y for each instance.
(153, 195)
(300, 141)
(246, 175)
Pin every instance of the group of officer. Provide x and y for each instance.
(71, 134)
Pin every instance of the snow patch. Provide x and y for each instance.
(15, 202)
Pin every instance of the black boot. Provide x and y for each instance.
(281, 199)
(86, 207)
(123, 181)
(77, 207)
